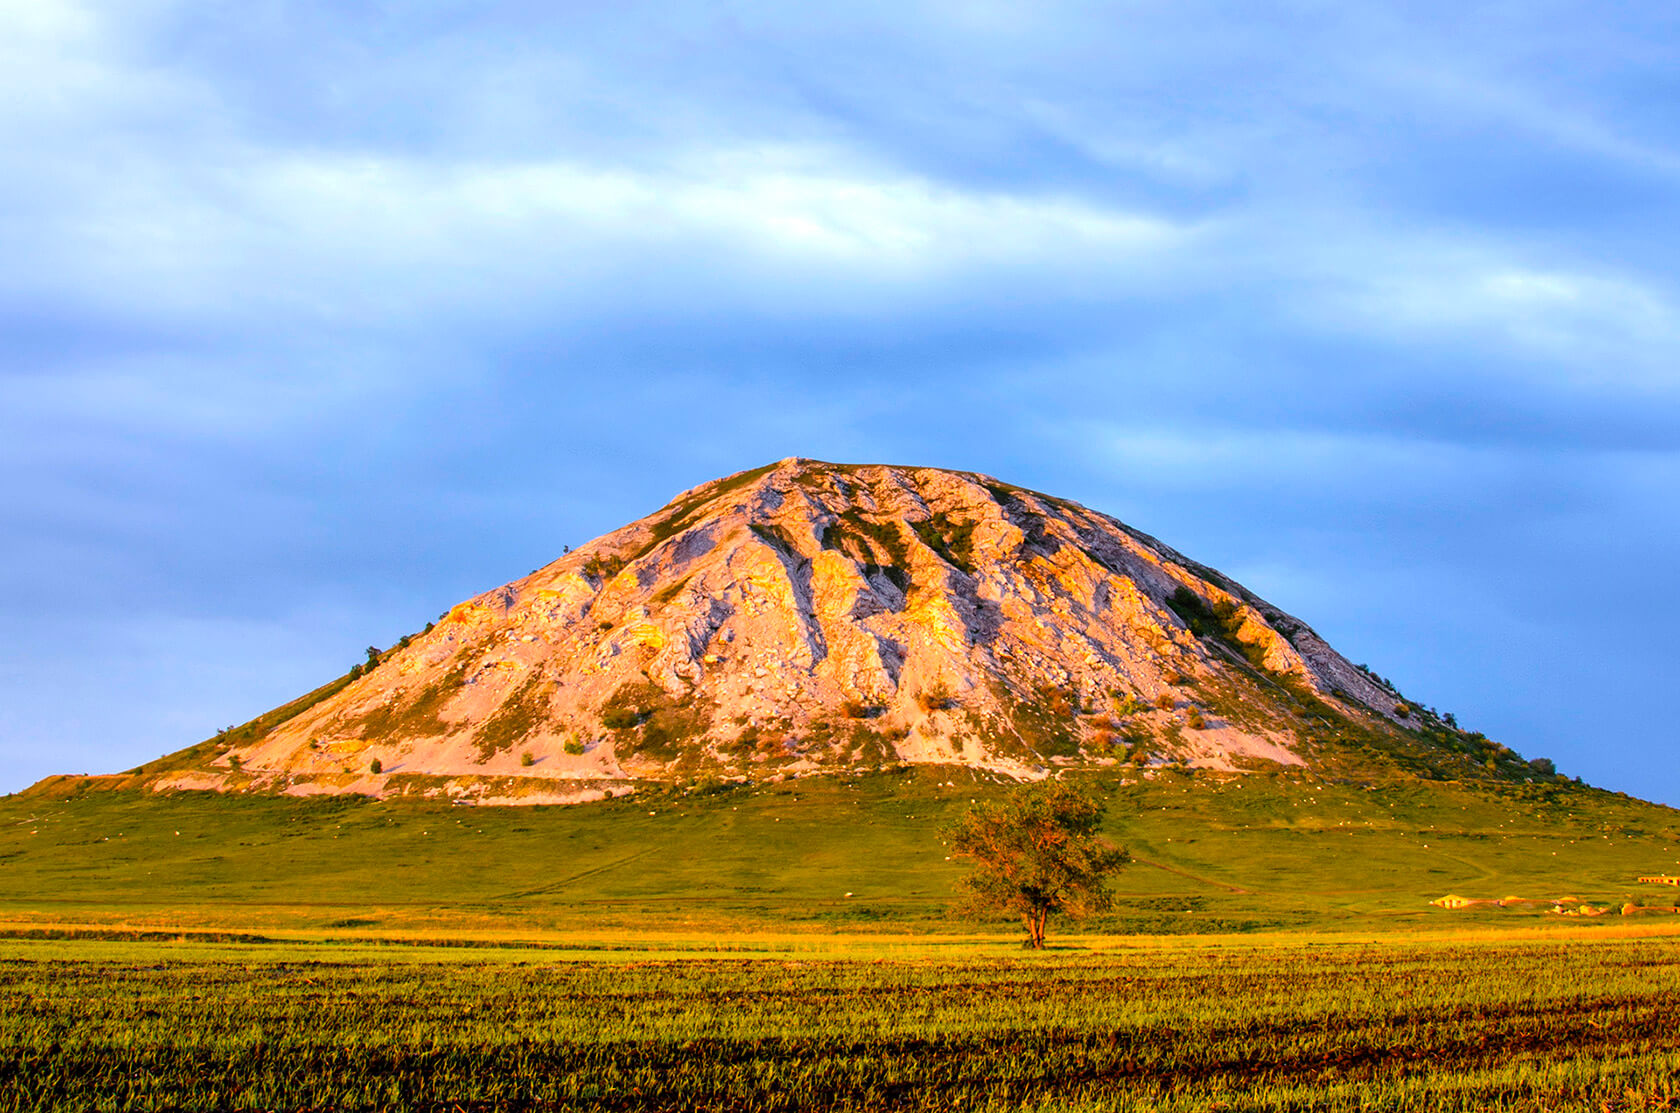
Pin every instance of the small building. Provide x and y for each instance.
(1452, 900)
(1661, 879)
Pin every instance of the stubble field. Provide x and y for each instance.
(1465, 1022)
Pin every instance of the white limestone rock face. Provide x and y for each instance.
(805, 616)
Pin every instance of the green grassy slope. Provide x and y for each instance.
(1213, 853)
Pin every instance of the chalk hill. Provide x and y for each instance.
(807, 616)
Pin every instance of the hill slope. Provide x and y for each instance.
(806, 616)
(1212, 852)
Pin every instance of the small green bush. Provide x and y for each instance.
(1057, 703)
(526, 759)
(603, 569)
(375, 766)
(938, 697)
(620, 718)
(573, 747)
(1196, 719)
(1125, 703)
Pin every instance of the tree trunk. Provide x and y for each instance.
(1035, 927)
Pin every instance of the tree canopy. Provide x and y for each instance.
(1038, 853)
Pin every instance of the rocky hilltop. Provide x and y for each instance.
(806, 616)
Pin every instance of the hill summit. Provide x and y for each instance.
(806, 616)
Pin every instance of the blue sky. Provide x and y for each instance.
(317, 318)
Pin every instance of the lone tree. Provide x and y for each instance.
(1037, 853)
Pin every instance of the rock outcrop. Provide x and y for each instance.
(807, 616)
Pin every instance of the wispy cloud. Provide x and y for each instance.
(1604, 328)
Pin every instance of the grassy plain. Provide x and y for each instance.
(786, 946)
(1251, 853)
